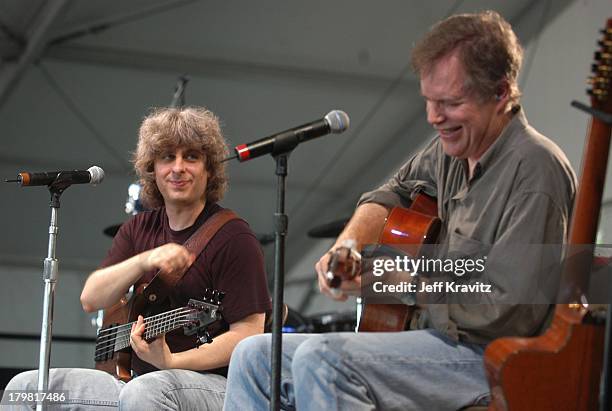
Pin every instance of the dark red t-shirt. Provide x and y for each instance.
(232, 263)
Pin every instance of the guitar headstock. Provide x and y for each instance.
(213, 296)
(601, 80)
(204, 312)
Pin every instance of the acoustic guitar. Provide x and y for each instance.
(113, 352)
(409, 228)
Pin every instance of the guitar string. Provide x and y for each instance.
(159, 326)
(152, 324)
(122, 341)
(109, 329)
(150, 321)
(154, 330)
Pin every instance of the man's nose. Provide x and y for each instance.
(179, 164)
(435, 114)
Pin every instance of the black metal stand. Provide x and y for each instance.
(282, 149)
(178, 99)
(281, 222)
(283, 145)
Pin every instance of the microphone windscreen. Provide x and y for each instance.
(338, 121)
(97, 174)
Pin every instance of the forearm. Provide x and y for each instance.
(365, 226)
(208, 356)
(218, 353)
(104, 287)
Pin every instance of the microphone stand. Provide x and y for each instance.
(282, 145)
(178, 99)
(50, 270)
(281, 150)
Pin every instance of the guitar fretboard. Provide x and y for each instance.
(117, 338)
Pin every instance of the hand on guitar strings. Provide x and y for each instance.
(156, 352)
(169, 258)
(342, 293)
(347, 287)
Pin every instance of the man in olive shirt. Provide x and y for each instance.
(498, 183)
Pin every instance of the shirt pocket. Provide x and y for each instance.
(460, 245)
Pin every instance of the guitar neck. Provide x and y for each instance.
(154, 326)
(585, 218)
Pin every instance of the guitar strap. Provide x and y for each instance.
(159, 287)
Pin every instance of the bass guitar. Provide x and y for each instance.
(113, 352)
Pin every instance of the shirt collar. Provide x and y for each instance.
(518, 121)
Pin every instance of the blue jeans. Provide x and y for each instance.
(98, 390)
(410, 370)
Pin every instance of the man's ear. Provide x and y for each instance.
(502, 95)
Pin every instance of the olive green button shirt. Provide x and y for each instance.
(521, 193)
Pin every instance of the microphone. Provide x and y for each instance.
(93, 175)
(336, 121)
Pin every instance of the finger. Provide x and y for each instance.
(139, 327)
(321, 265)
(139, 347)
(138, 344)
(333, 293)
(323, 285)
(338, 294)
(318, 268)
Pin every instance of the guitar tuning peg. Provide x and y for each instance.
(599, 55)
(221, 296)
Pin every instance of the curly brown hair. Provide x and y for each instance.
(166, 129)
(488, 49)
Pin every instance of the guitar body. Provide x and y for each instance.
(411, 228)
(119, 363)
(559, 370)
